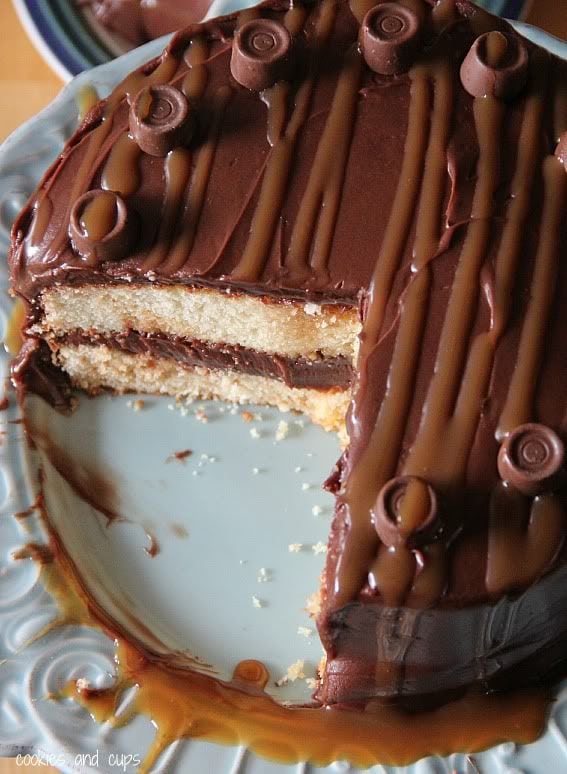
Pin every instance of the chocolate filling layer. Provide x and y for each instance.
(320, 374)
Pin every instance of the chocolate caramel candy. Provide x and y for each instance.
(495, 66)
(260, 54)
(100, 226)
(389, 38)
(531, 459)
(161, 119)
(407, 513)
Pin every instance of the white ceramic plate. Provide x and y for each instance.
(237, 522)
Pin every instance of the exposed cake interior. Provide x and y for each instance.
(205, 343)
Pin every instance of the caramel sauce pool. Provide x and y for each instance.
(184, 703)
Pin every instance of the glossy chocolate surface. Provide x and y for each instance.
(443, 215)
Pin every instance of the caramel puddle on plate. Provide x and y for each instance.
(182, 702)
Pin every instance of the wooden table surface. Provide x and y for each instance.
(27, 85)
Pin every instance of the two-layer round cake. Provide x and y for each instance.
(350, 210)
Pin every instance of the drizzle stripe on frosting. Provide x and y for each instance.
(278, 168)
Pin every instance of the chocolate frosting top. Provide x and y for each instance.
(440, 213)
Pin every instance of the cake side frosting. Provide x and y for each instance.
(405, 159)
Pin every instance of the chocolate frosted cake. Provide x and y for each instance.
(311, 205)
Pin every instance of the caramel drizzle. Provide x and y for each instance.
(294, 18)
(129, 87)
(409, 581)
(444, 13)
(517, 554)
(194, 86)
(437, 453)
(121, 172)
(274, 184)
(197, 191)
(99, 217)
(519, 402)
(195, 82)
(459, 434)
(321, 200)
(177, 174)
(423, 167)
(442, 446)
(520, 194)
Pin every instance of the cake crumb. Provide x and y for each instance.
(313, 604)
(294, 672)
(305, 631)
(316, 510)
(319, 548)
(247, 416)
(257, 602)
(264, 575)
(201, 416)
(295, 548)
(255, 471)
(282, 431)
(311, 683)
(254, 433)
(298, 469)
(305, 486)
(136, 405)
(312, 309)
(180, 456)
(242, 561)
(82, 684)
